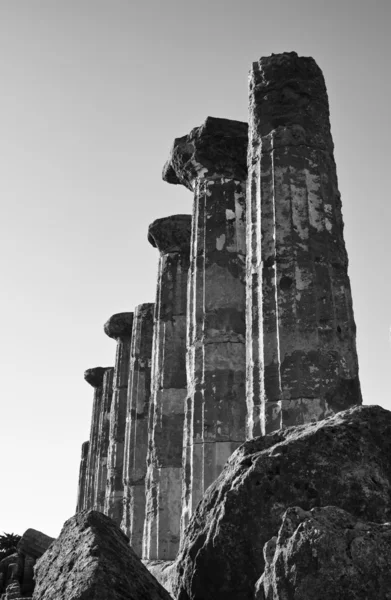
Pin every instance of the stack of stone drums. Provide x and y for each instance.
(252, 329)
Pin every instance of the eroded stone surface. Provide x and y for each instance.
(92, 560)
(327, 553)
(344, 460)
(301, 351)
(211, 161)
(168, 389)
(118, 327)
(136, 433)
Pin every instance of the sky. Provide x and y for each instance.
(93, 94)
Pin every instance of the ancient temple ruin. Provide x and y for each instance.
(252, 329)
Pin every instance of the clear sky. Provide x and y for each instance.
(93, 93)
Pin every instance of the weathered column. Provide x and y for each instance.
(95, 378)
(171, 236)
(211, 162)
(82, 476)
(136, 433)
(302, 360)
(118, 327)
(103, 440)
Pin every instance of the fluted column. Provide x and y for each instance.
(82, 476)
(136, 433)
(118, 327)
(211, 162)
(302, 360)
(103, 440)
(171, 236)
(95, 378)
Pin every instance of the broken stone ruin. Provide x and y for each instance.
(230, 456)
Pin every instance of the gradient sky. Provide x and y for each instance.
(92, 95)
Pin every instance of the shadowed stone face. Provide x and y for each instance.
(119, 326)
(171, 234)
(95, 376)
(216, 149)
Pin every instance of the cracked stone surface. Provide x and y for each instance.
(301, 348)
(136, 432)
(92, 560)
(171, 236)
(211, 161)
(344, 460)
(327, 553)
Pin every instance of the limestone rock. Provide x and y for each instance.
(329, 554)
(92, 560)
(8, 569)
(34, 543)
(344, 460)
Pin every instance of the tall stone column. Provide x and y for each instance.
(95, 378)
(103, 440)
(119, 328)
(82, 476)
(211, 162)
(302, 360)
(136, 433)
(171, 236)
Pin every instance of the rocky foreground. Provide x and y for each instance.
(300, 514)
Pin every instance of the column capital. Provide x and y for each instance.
(218, 148)
(171, 234)
(119, 326)
(95, 376)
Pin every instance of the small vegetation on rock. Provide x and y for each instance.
(8, 543)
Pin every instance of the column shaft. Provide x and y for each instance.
(302, 359)
(95, 378)
(119, 327)
(136, 433)
(168, 390)
(216, 408)
(82, 476)
(103, 441)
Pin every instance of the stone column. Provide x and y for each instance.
(95, 378)
(103, 441)
(136, 433)
(82, 476)
(118, 327)
(302, 360)
(171, 236)
(211, 162)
